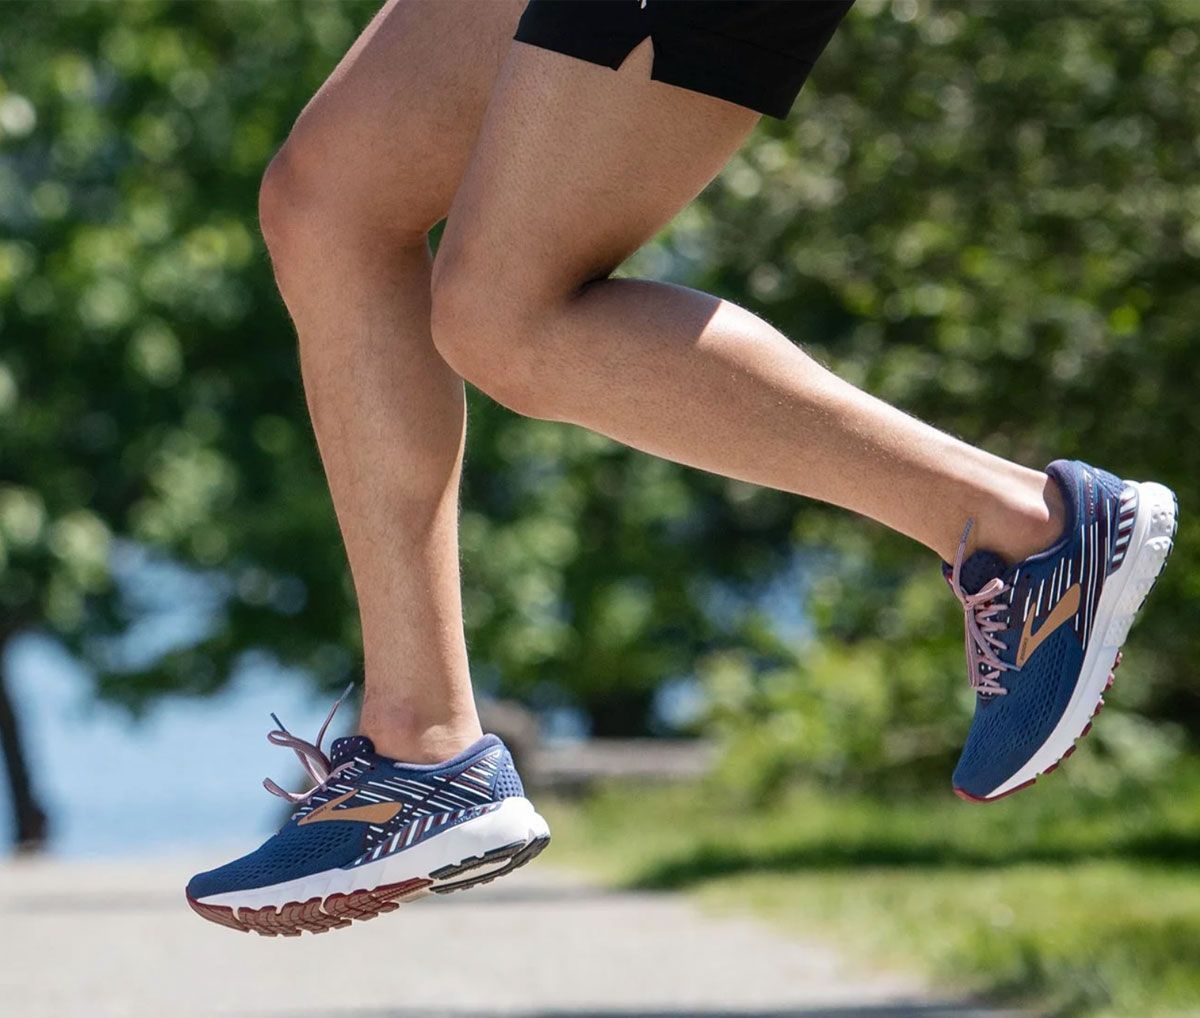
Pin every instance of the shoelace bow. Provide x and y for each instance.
(319, 767)
(979, 614)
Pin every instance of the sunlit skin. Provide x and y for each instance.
(566, 170)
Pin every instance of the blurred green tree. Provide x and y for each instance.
(985, 214)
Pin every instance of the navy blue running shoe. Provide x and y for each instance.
(1044, 636)
(373, 833)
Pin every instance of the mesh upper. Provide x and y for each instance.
(1009, 729)
(508, 782)
(292, 853)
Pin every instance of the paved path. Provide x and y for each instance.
(104, 941)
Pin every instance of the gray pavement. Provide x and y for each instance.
(109, 940)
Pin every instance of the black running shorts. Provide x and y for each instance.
(756, 53)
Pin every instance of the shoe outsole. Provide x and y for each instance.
(517, 854)
(1124, 621)
(319, 915)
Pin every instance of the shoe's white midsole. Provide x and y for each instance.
(1123, 594)
(514, 820)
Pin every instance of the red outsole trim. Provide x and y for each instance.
(968, 797)
(314, 915)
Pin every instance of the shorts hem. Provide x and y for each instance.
(707, 62)
(692, 56)
(746, 94)
(605, 51)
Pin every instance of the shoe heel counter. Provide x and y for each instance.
(507, 783)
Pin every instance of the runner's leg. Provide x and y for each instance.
(576, 167)
(371, 165)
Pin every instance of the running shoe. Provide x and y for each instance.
(373, 833)
(1044, 636)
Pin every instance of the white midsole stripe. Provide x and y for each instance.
(514, 820)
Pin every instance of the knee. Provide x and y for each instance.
(494, 335)
(280, 215)
(296, 207)
(313, 200)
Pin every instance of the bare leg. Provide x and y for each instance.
(577, 166)
(371, 165)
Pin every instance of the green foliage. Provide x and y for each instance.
(150, 389)
(985, 214)
(1083, 897)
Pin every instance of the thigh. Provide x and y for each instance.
(577, 165)
(391, 130)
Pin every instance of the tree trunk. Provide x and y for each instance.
(620, 713)
(29, 819)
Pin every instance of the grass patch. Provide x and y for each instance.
(1087, 903)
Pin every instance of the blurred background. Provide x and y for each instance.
(986, 213)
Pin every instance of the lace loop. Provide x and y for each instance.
(979, 614)
(312, 758)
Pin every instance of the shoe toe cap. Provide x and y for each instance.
(211, 882)
(969, 784)
(293, 853)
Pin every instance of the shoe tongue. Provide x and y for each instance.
(980, 567)
(348, 747)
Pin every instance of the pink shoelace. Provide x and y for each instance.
(979, 613)
(319, 767)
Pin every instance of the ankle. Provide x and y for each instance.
(1027, 518)
(402, 734)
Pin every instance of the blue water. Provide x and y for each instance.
(184, 778)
